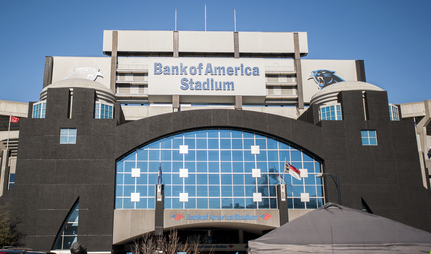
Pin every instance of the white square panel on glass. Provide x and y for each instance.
(184, 149)
(255, 172)
(257, 197)
(305, 197)
(255, 150)
(184, 197)
(135, 197)
(184, 172)
(304, 172)
(136, 172)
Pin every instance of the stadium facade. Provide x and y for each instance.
(221, 136)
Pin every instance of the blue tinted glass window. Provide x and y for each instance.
(39, 110)
(219, 165)
(69, 231)
(331, 112)
(393, 113)
(68, 136)
(369, 137)
(103, 110)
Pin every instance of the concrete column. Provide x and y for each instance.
(176, 44)
(298, 69)
(421, 136)
(238, 102)
(4, 176)
(159, 211)
(47, 75)
(235, 45)
(241, 236)
(114, 60)
(360, 70)
(176, 103)
(282, 204)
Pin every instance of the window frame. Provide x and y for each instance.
(41, 110)
(98, 110)
(394, 116)
(68, 137)
(333, 108)
(366, 139)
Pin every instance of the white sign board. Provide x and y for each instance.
(317, 74)
(206, 76)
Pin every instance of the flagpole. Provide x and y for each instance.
(175, 19)
(234, 17)
(205, 17)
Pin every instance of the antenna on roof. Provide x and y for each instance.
(205, 17)
(234, 18)
(175, 19)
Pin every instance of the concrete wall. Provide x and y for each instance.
(51, 177)
(18, 109)
(204, 42)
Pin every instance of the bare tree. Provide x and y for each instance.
(150, 244)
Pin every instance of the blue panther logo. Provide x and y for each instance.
(325, 78)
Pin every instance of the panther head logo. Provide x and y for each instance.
(325, 78)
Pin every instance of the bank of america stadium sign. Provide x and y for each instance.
(203, 76)
(212, 217)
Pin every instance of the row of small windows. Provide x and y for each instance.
(368, 137)
(333, 112)
(102, 110)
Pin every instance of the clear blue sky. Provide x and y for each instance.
(392, 36)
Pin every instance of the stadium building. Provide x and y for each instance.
(222, 136)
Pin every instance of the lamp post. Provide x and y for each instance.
(336, 181)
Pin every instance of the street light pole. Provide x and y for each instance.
(336, 181)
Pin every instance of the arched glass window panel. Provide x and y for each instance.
(218, 169)
(69, 230)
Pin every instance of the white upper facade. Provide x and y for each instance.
(207, 67)
(205, 42)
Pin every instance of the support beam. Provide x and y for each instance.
(238, 102)
(176, 44)
(298, 69)
(282, 204)
(159, 211)
(236, 45)
(114, 60)
(47, 75)
(175, 103)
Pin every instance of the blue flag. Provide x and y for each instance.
(160, 174)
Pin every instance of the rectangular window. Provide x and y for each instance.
(103, 110)
(393, 113)
(68, 136)
(39, 110)
(11, 180)
(369, 137)
(332, 112)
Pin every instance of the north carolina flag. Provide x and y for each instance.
(288, 168)
(14, 119)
